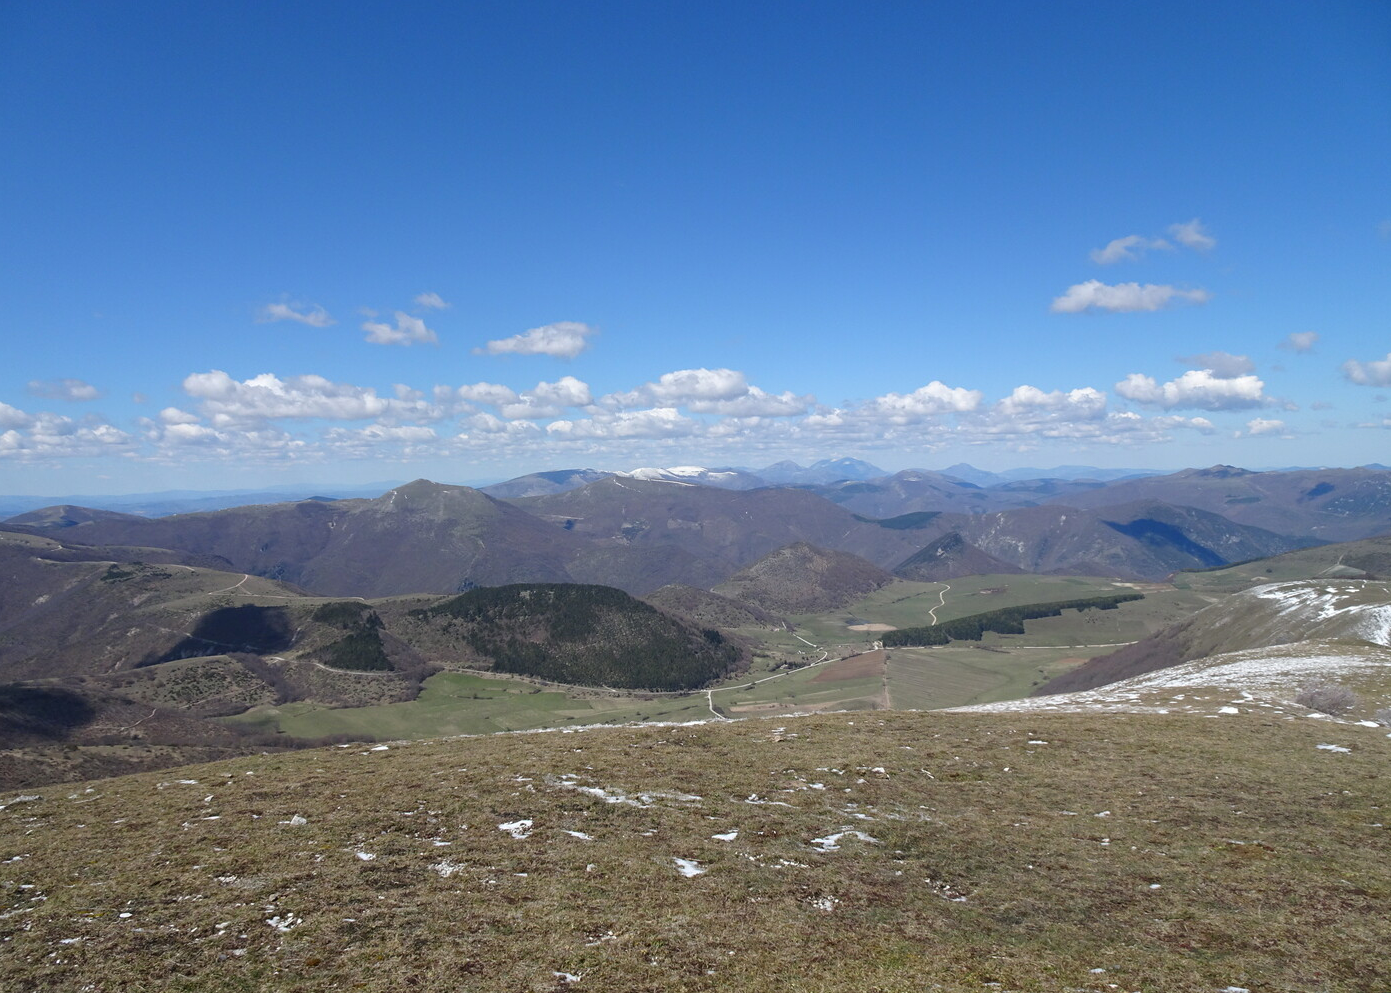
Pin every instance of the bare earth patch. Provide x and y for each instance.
(871, 627)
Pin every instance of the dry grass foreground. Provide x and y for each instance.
(837, 852)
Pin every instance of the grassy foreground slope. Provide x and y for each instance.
(839, 852)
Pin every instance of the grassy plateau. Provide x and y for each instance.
(862, 851)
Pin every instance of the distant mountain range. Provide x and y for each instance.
(167, 502)
(350, 602)
(784, 473)
(649, 528)
(982, 477)
(1328, 504)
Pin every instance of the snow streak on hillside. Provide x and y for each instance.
(1312, 603)
(1230, 683)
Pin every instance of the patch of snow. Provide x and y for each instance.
(689, 867)
(517, 829)
(727, 836)
(831, 842)
(1228, 710)
(1334, 748)
(641, 799)
(579, 834)
(295, 821)
(755, 799)
(1273, 672)
(567, 977)
(366, 856)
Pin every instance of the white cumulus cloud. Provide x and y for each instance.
(1197, 388)
(1300, 341)
(685, 387)
(181, 440)
(1131, 248)
(13, 417)
(315, 317)
(1026, 399)
(934, 398)
(63, 389)
(1221, 364)
(1193, 235)
(1376, 372)
(700, 384)
(189, 434)
(491, 424)
(1123, 297)
(548, 400)
(362, 439)
(1260, 426)
(408, 331)
(173, 415)
(46, 435)
(268, 397)
(1031, 412)
(563, 340)
(659, 422)
(567, 391)
(431, 301)
(756, 403)
(489, 393)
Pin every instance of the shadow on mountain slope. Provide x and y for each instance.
(42, 712)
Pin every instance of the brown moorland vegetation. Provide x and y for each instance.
(838, 852)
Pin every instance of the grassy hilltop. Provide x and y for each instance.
(870, 851)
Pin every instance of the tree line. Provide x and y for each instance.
(1005, 620)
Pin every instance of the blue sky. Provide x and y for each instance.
(249, 244)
